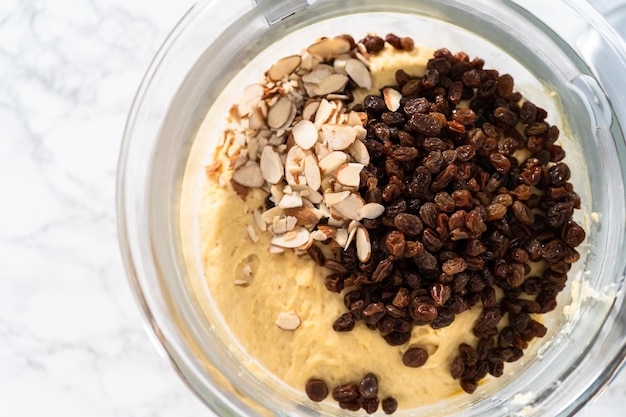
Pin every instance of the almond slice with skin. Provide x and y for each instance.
(371, 210)
(363, 245)
(359, 73)
(279, 113)
(310, 108)
(271, 165)
(331, 84)
(329, 48)
(284, 67)
(292, 239)
(349, 174)
(392, 98)
(304, 216)
(305, 134)
(338, 137)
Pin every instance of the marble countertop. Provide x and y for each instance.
(72, 341)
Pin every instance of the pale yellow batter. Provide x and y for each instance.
(287, 282)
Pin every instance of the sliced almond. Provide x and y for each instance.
(332, 199)
(338, 137)
(292, 115)
(305, 134)
(363, 245)
(312, 172)
(256, 120)
(339, 64)
(331, 84)
(349, 174)
(315, 197)
(324, 209)
(329, 48)
(277, 192)
(361, 132)
(282, 225)
(307, 62)
(291, 224)
(310, 108)
(249, 175)
(359, 152)
(250, 97)
(318, 235)
(332, 161)
(270, 214)
(336, 220)
(354, 119)
(329, 231)
(288, 320)
(371, 210)
(294, 165)
(275, 249)
(290, 201)
(284, 67)
(349, 207)
(253, 148)
(252, 234)
(299, 237)
(341, 237)
(392, 98)
(317, 75)
(258, 220)
(304, 216)
(279, 113)
(324, 111)
(321, 151)
(352, 228)
(271, 165)
(359, 73)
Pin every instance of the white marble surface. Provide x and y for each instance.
(71, 338)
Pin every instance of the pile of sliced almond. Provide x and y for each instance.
(292, 136)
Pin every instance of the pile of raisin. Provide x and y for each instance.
(475, 192)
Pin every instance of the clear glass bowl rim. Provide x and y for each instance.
(160, 333)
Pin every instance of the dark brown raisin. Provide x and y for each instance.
(345, 392)
(373, 43)
(368, 387)
(390, 405)
(316, 390)
(415, 357)
(344, 323)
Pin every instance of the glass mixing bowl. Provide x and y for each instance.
(561, 49)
